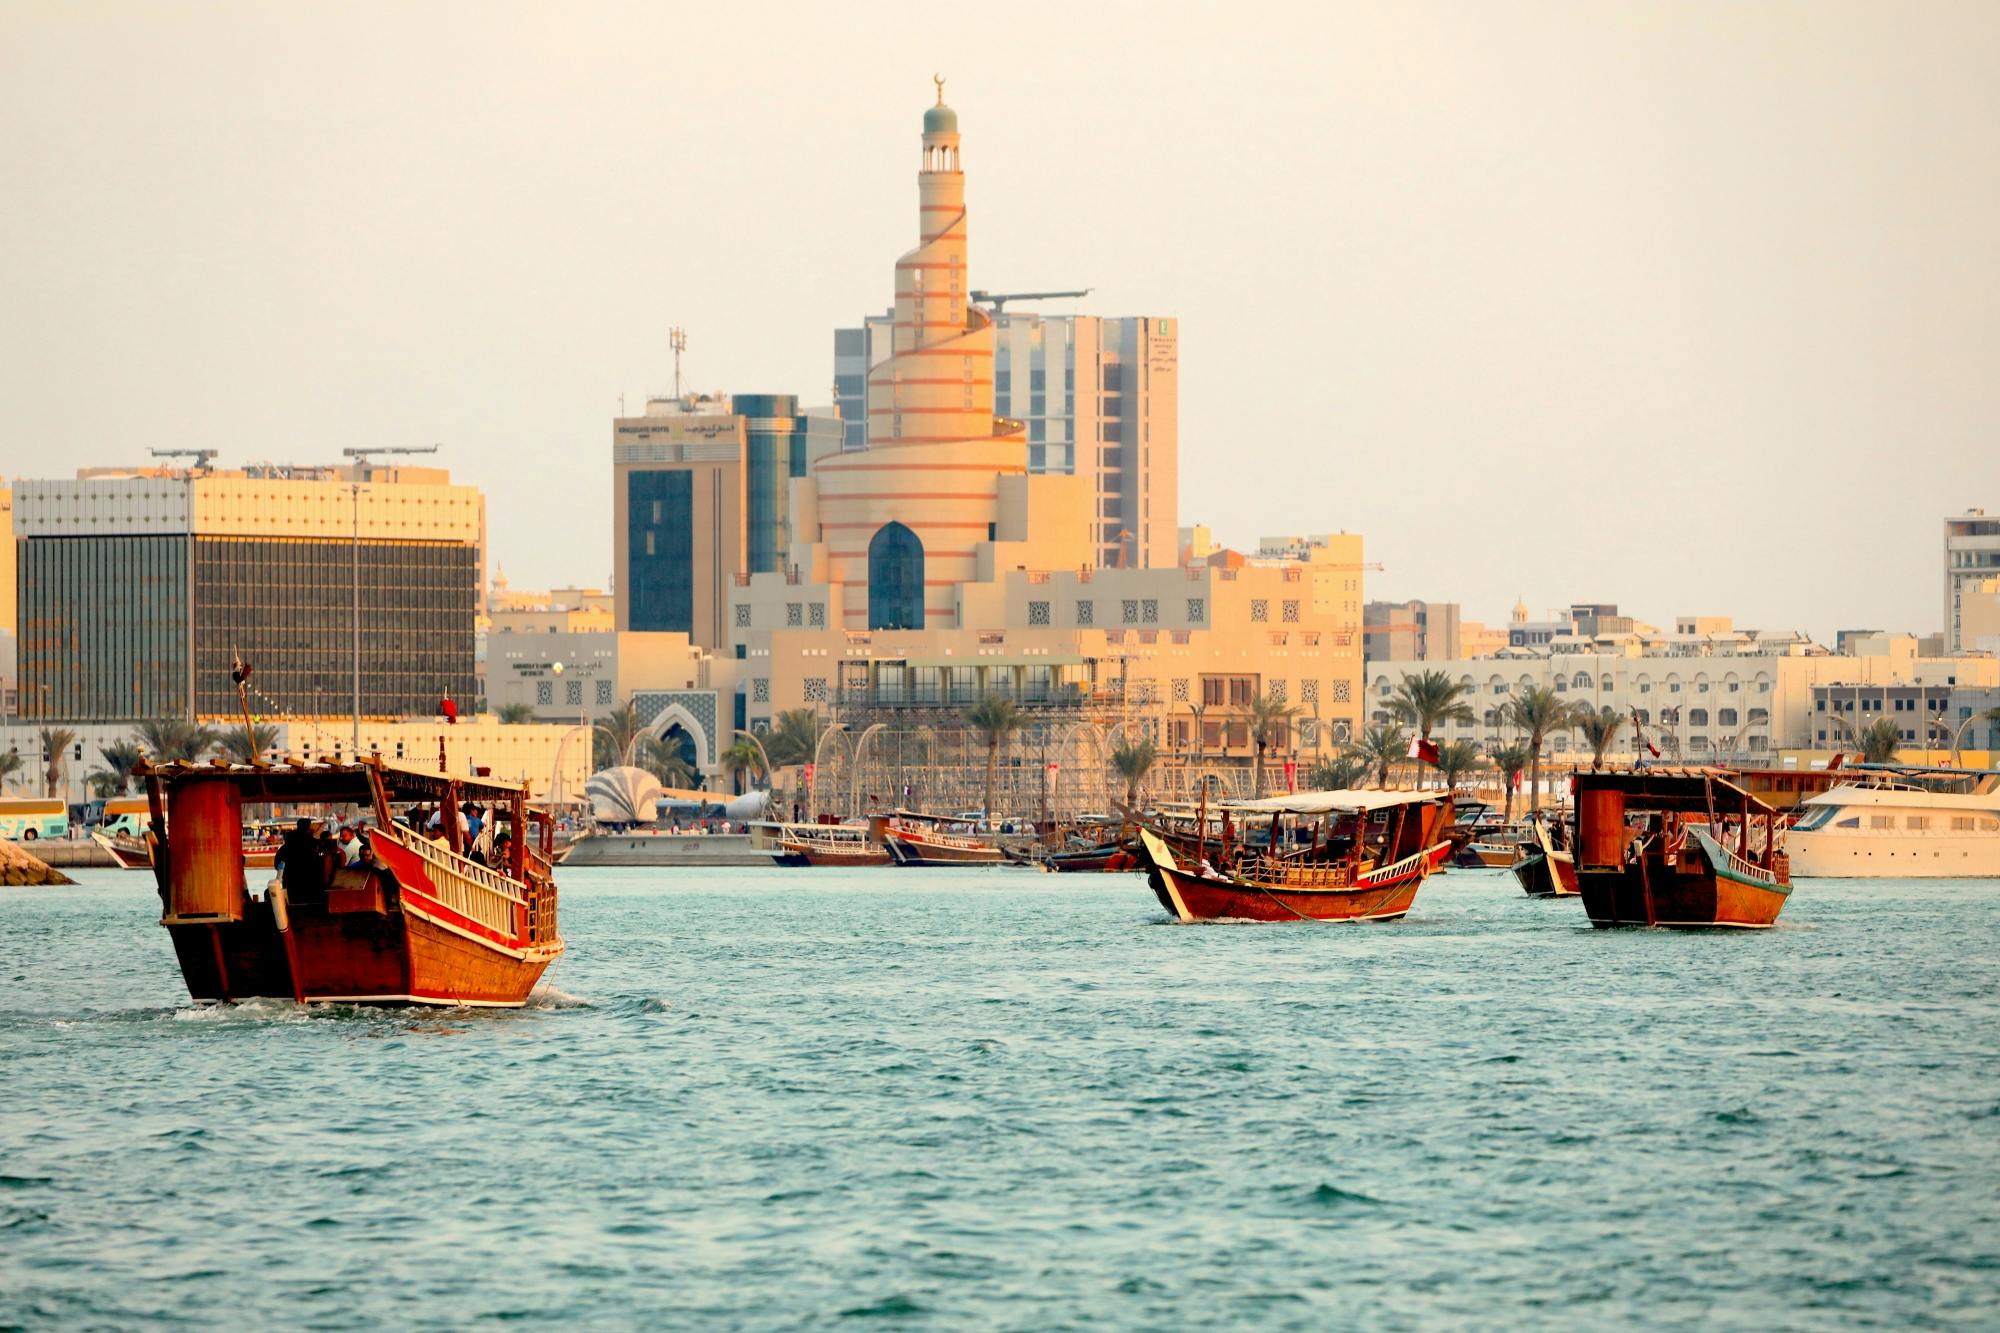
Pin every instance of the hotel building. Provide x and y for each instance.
(138, 589)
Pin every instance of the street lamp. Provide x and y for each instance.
(556, 789)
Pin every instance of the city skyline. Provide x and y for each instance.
(1667, 287)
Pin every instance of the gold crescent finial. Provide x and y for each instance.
(938, 79)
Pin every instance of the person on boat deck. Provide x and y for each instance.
(301, 864)
(350, 846)
(503, 843)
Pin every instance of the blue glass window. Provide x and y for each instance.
(660, 551)
(895, 579)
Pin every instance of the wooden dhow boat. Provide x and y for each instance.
(922, 840)
(415, 922)
(828, 845)
(1654, 848)
(1542, 869)
(260, 851)
(1329, 856)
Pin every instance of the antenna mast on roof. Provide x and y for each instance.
(677, 339)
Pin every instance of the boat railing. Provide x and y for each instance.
(466, 887)
(1737, 863)
(541, 900)
(1397, 869)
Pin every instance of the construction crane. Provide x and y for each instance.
(999, 300)
(201, 457)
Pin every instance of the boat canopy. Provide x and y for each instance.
(1683, 790)
(1328, 802)
(290, 782)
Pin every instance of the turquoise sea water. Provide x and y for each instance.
(991, 1098)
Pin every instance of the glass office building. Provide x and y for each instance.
(136, 594)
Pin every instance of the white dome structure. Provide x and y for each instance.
(624, 795)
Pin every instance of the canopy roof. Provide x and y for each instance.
(1685, 790)
(331, 782)
(1327, 802)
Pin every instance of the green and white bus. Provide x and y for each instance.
(30, 818)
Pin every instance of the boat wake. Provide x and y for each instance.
(545, 996)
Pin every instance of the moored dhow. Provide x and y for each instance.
(1344, 856)
(1653, 848)
(829, 845)
(924, 840)
(1542, 869)
(414, 921)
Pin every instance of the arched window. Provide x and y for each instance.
(895, 579)
(1581, 681)
(1725, 717)
(1697, 717)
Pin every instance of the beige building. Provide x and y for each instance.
(1720, 695)
(139, 588)
(677, 691)
(1972, 583)
(1414, 631)
(702, 492)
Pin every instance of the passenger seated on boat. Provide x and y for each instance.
(350, 846)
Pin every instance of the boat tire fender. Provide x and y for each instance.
(281, 915)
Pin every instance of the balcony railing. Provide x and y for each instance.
(964, 696)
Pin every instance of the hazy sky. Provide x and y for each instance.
(1691, 307)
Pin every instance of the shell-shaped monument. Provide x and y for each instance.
(624, 795)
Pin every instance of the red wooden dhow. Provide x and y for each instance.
(1343, 856)
(1654, 848)
(417, 922)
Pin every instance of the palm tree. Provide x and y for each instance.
(995, 719)
(514, 715)
(1381, 747)
(1510, 760)
(104, 784)
(1600, 730)
(174, 740)
(1340, 773)
(1539, 711)
(1269, 719)
(246, 747)
(1133, 762)
(740, 758)
(662, 760)
(10, 764)
(1879, 741)
(1430, 699)
(793, 737)
(120, 758)
(55, 746)
(614, 738)
(1455, 760)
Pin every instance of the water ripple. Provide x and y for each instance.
(935, 1099)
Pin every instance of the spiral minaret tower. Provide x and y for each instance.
(909, 511)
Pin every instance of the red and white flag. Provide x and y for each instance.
(1423, 749)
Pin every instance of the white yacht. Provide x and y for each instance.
(1898, 831)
